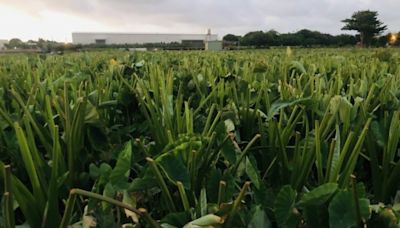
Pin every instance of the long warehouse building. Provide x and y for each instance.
(137, 38)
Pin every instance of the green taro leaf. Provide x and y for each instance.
(284, 205)
(141, 184)
(342, 211)
(120, 173)
(319, 195)
(174, 168)
(259, 219)
(178, 219)
(252, 172)
(278, 105)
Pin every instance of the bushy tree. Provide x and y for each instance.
(15, 43)
(231, 37)
(366, 23)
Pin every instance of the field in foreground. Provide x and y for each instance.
(277, 138)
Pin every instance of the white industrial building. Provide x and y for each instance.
(138, 38)
(3, 43)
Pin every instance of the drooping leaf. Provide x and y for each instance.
(206, 221)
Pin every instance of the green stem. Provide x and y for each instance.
(161, 182)
(148, 218)
(68, 210)
(357, 204)
(184, 198)
(237, 202)
(221, 192)
(244, 153)
(72, 197)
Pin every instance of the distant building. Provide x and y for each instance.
(138, 38)
(213, 45)
(2, 44)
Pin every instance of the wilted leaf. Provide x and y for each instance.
(208, 221)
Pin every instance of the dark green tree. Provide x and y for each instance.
(231, 37)
(366, 23)
(15, 43)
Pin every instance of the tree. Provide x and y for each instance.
(366, 23)
(230, 37)
(15, 43)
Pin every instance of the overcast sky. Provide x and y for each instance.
(57, 19)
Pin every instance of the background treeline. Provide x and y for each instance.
(254, 39)
(304, 37)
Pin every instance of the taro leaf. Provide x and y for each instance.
(141, 184)
(174, 168)
(105, 171)
(178, 219)
(101, 173)
(284, 205)
(120, 173)
(318, 196)
(252, 172)
(109, 191)
(342, 212)
(264, 196)
(230, 185)
(213, 180)
(229, 151)
(278, 105)
(91, 114)
(259, 219)
(298, 67)
(316, 216)
(378, 133)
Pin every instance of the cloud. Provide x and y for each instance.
(195, 16)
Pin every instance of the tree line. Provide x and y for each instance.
(365, 22)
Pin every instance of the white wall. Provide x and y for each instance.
(2, 42)
(125, 38)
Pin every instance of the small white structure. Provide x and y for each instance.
(2, 44)
(137, 38)
(213, 45)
